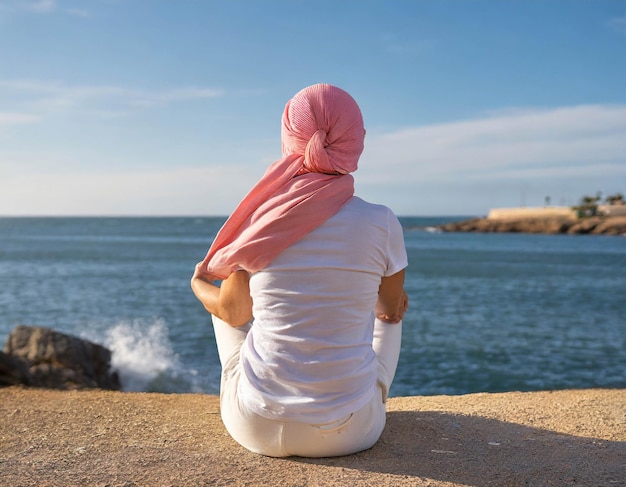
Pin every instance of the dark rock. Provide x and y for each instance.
(13, 371)
(584, 226)
(59, 361)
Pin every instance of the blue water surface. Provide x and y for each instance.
(489, 312)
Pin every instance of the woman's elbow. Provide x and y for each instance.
(238, 320)
(237, 315)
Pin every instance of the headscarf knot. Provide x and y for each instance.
(322, 135)
(315, 155)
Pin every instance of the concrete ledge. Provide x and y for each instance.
(58, 438)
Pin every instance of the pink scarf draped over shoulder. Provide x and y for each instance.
(322, 138)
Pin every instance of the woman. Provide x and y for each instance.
(308, 318)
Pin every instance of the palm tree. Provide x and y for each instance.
(588, 205)
(615, 199)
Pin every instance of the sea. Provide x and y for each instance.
(488, 312)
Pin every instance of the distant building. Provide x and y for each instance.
(562, 212)
(612, 210)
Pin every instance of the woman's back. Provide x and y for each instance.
(308, 356)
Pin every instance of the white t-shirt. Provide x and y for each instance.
(308, 356)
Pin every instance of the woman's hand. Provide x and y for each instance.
(398, 316)
(231, 302)
(204, 288)
(404, 305)
(201, 273)
(393, 300)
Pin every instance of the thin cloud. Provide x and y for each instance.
(588, 137)
(41, 7)
(210, 190)
(171, 96)
(395, 45)
(618, 24)
(47, 97)
(33, 6)
(562, 151)
(191, 93)
(78, 12)
(7, 118)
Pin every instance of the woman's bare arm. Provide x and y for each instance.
(392, 299)
(230, 302)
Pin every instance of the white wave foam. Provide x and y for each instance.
(143, 357)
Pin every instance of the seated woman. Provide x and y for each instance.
(308, 315)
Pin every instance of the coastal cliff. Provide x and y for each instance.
(615, 225)
(94, 437)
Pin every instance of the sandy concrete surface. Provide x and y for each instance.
(54, 438)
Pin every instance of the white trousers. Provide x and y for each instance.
(356, 432)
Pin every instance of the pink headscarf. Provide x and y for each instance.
(322, 139)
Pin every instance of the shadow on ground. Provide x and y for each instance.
(477, 451)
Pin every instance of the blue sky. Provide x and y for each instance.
(172, 107)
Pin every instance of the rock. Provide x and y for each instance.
(584, 226)
(593, 225)
(59, 361)
(549, 226)
(13, 371)
(615, 225)
(472, 225)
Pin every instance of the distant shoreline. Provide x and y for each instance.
(597, 225)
